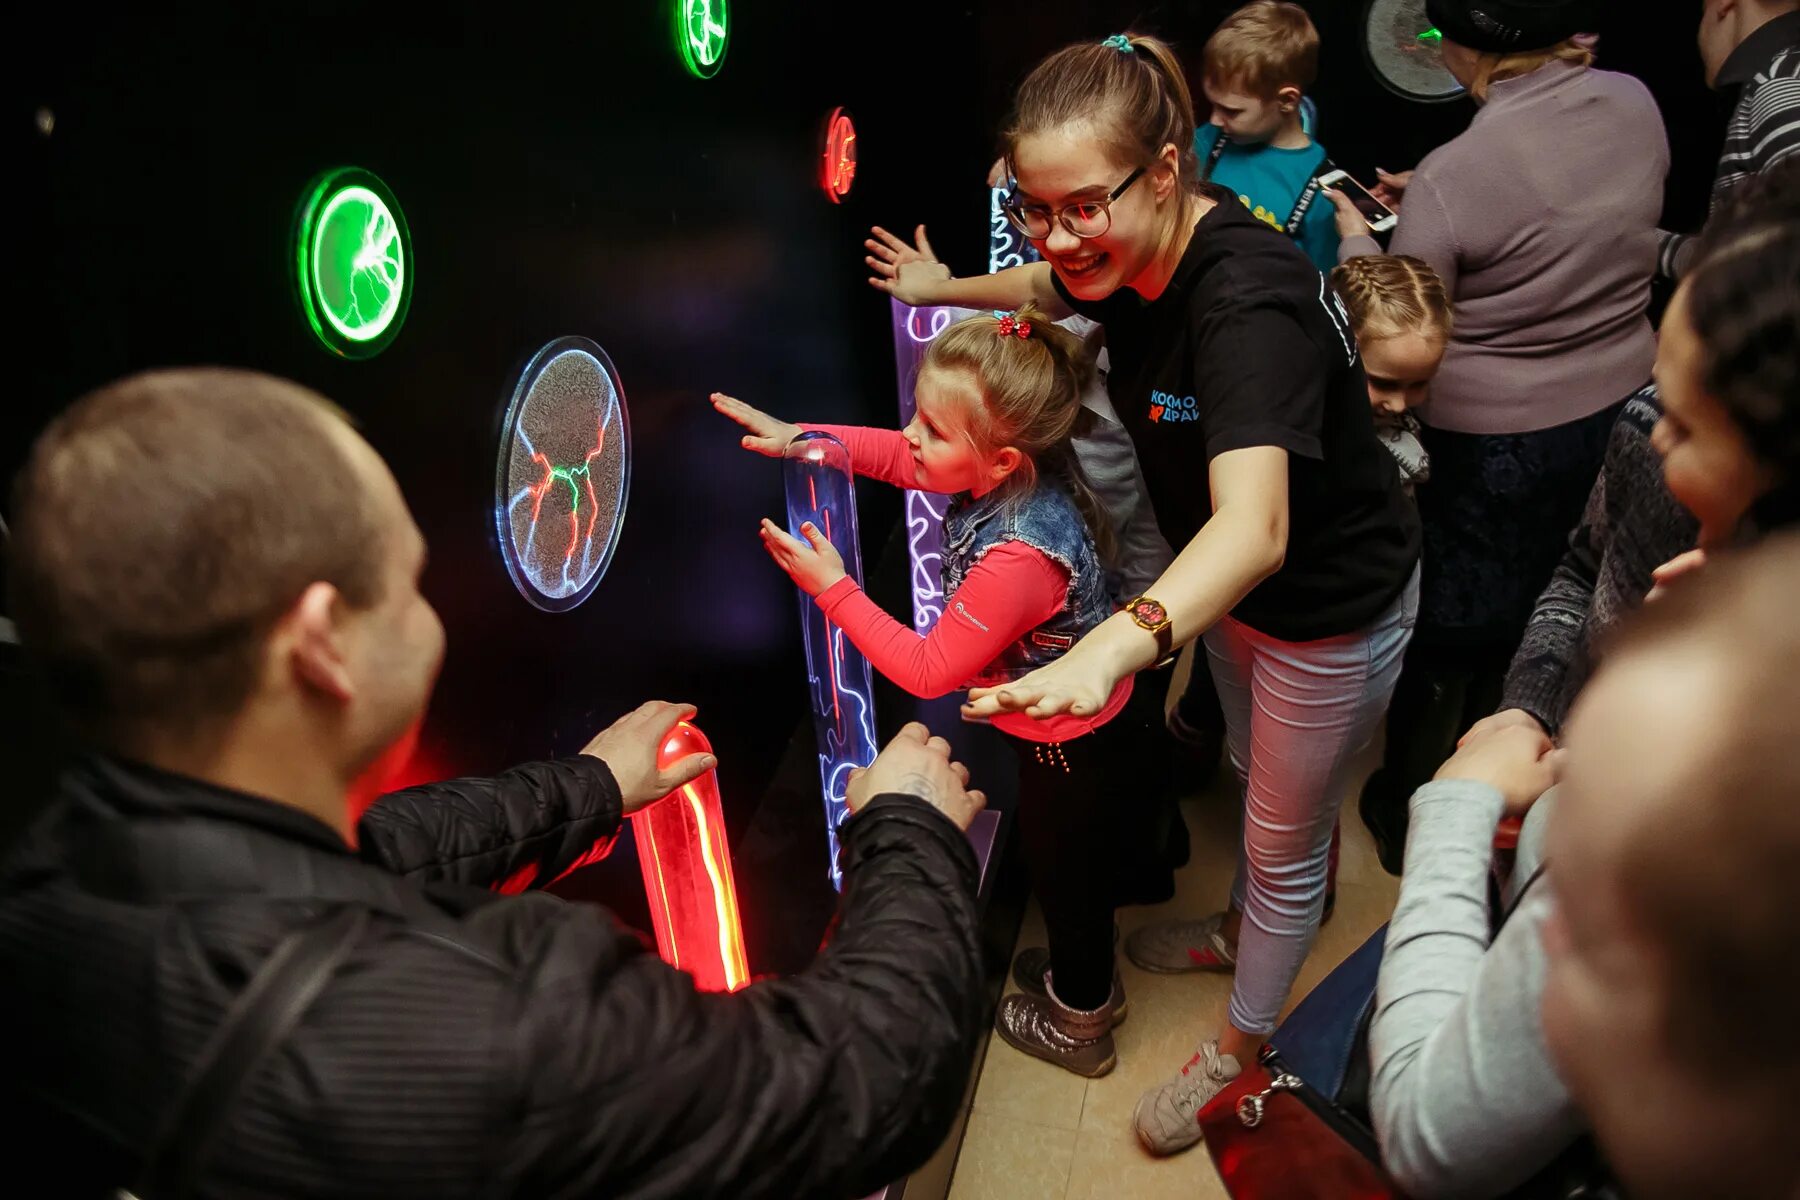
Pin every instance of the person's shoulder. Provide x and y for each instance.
(1204, 137)
(1627, 88)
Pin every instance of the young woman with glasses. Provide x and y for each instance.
(1234, 370)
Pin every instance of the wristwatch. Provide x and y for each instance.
(1150, 615)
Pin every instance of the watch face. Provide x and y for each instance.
(1148, 613)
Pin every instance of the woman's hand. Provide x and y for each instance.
(767, 435)
(814, 564)
(1076, 684)
(1676, 568)
(901, 270)
(1350, 222)
(1391, 189)
(1520, 764)
(1506, 718)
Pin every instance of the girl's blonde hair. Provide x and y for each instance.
(1031, 390)
(1389, 295)
(1491, 68)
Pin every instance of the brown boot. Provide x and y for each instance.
(1044, 1027)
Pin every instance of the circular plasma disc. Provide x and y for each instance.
(1406, 52)
(563, 475)
(353, 262)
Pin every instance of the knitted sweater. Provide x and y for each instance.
(1632, 525)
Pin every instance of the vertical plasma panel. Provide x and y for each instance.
(821, 489)
(686, 862)
(914, 330)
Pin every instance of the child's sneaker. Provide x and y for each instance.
(1044, 1027)
(1175, 947)
(1031, 971)
(1167, 1118)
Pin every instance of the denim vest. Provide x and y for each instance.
(1046, 519)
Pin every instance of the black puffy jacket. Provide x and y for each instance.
(473, 1045)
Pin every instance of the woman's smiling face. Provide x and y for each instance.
(1056, 169)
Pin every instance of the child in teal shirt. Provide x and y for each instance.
(1255, 71)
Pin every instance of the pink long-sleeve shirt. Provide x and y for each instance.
(1011, 591)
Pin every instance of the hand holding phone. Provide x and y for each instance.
(1358, 209)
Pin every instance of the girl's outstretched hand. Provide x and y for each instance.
(767, 435)
(899, 269)
(1067, 685)
(814, 564)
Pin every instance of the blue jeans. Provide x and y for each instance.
(1296, 713)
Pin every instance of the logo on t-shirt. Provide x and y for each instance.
(1165, 408)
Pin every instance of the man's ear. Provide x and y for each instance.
(312, 642)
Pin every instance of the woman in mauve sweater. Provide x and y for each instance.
(1541, 220)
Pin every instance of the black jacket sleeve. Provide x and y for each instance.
(529, 825)
(829, 1084)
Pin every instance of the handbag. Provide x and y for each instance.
(1296, 1124)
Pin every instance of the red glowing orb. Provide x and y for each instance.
(838, 170)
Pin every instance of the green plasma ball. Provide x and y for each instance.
(702, 31)
(354, 262)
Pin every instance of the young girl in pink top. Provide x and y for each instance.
(997, 400)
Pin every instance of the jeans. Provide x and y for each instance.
(1296, 713)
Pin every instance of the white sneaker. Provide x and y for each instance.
(1167, 1118)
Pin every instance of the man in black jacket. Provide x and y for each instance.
(220, 579)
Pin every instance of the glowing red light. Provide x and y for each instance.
(838, 171)
(686, 862)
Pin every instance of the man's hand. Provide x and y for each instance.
(630, 746)
(1506, 718)
(1518, 763)
(917, 764)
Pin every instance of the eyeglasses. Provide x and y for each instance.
(1085, 219)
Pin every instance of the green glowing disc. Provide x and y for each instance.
(353, 262)
(703, 32)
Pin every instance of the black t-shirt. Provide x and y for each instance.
(1249, 346)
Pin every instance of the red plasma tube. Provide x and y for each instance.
(687, 874)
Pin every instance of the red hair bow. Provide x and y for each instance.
(1011, 326)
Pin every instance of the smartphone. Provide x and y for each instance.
(1380, 217)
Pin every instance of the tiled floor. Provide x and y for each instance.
(1038, 1132)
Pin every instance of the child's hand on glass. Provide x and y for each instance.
(901, 270)
(813, 564)
(767, 435)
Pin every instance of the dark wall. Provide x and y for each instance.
(562, 175)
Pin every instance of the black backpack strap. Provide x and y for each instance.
(1212, 156)
(267, 1010)
(1308, 195)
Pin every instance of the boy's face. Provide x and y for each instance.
(1247, 118)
